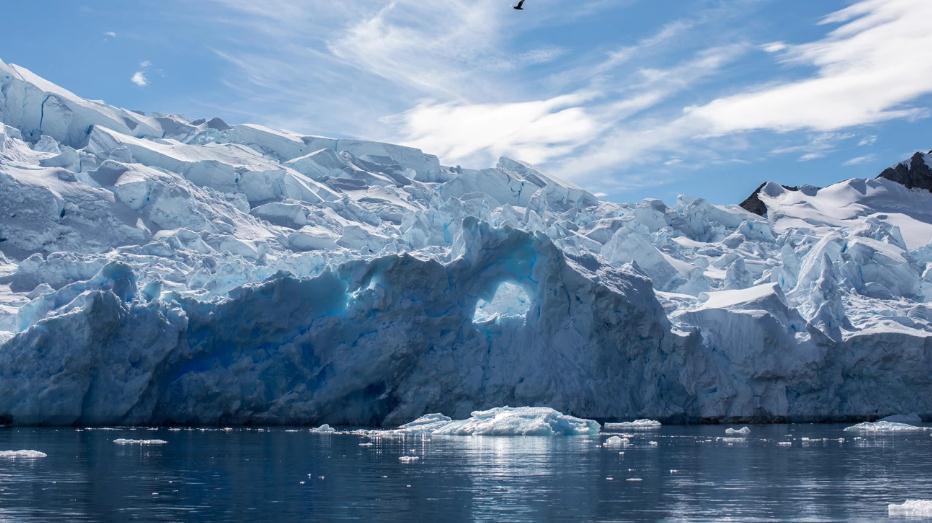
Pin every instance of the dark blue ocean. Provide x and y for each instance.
(689, 473)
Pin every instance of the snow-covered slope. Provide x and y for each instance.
(156, 269)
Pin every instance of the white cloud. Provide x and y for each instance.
(139, 78)
(110, 35)
(869, 68)
(774, 47)
(858, 160)
(867, 71)
(815, 146)
(533, 131)
(457, 78)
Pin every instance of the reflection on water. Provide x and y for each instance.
(779, 472)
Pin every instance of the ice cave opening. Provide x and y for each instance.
(510, 300)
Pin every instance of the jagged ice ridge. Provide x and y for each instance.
(159, 270)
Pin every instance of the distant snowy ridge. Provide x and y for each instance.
(156, 269)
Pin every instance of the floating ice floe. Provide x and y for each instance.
(884, 426)
(743, 431)
(124, 441)
(616, 442)
(638, 424)
(911, 508)
(731, 440)
(324, 429)
(502, 421)
(909, 419)
(408, 459)
(22, 454)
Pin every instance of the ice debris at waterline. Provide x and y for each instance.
(911, 508)
(616, 442)
(500, 421)
(324, 429)
(235, 274)
(743, 431)
(638, 424)
(124, 441)
(22, 454)
(884, 426)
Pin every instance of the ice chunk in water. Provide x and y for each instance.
(408, 459)
(426, 424)
(616, 442)
(883, 426)
(909, 419)
(520, 421)
(911, 508)
(22, 454)
(502, 421)
(638, 424)
(324, 429)
(124, 441)
(743, 431)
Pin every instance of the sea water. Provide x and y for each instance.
(777, 472)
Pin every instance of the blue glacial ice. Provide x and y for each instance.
(155, 269)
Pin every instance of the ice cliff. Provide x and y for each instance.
(160, 270)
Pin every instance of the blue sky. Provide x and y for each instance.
(630, 98)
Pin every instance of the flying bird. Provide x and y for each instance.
(520, 5)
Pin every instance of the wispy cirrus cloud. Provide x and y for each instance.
(469, 80)
(867, 70)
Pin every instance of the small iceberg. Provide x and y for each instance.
(124, 441)
(638, 424)
(743, 431)
(502, 421)
(883, 427)
(408, 459)
(911, 508)
(324, 429)
(909, 419)
(616, 442)
(22, 454)
(426, 424)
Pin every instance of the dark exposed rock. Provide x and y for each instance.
(754, 204)
(913, 174)
(218, 124)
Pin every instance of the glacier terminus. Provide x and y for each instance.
(159, 270)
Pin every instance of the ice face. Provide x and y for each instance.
(509, 301)
(151, 267)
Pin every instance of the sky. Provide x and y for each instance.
(626, 98)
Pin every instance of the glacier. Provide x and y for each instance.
(160, 270)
